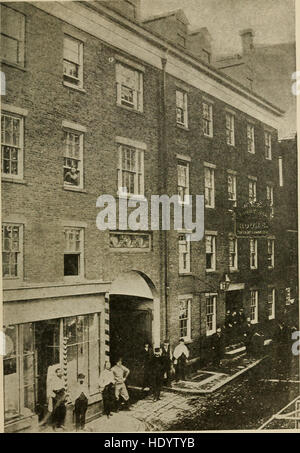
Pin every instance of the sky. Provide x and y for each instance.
(273, 21)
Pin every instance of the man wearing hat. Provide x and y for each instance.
(80, 398)
(157, 373)
(180, 355)
(167, 361)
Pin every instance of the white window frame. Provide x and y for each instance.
(20, 149)
(280, 170)
(188, 299)
(230, 128)
(271, 241)
(270, 198)
(138, 173)
(207, 120)
(137, 92)
(75, 129)
(254, 305)
(235, 241)
(211, 297)
(271, 303)
(183, 109)
(214, 249)
(209, 190)
(184, 253)
(252, 189)
(68, 80)
(268, 145)
(250, 139)
(183, 190)
(20, 256)
(254, 241)
(20, 40)
(81, 273)
(232, 196)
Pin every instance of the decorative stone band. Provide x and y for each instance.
(106, 324)
(129, 241)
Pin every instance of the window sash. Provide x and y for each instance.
(209, 183)
(252, 191)
(233, 254)
(270, 251)
(185, 318)
(230, 128)
(184, 254)
(12, 130)
(207, 124)
(231, 187)
(250, 138)
(268, 145)
(181, 107)
(183, 180)
(74, 245)
(73, 158)
(253, 253)
(210, 251)
(12, 35)
(131, 170)
(12, 240)
(210, 314)
(254, 306)
(129, 87)
(73, 61)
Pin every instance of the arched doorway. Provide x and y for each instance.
(134, 320)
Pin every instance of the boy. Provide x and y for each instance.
(81, 396)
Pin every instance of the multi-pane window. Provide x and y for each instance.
(230, 139)
(73, 61)
(209, 184)
(73, 252)
(268, 145)
(12, 35)
(211, 313)
(185, 318)
(129, 87)
(184, 253)
(210, 252)
(271, 303)
(252, 190)
(12, 145)
(131, 170)
(181, 108)
(270, 199)
(254, 306)
(207, 119)
(271, 253)
(253, 254)
(233, 254)
(73, 159)
(183, 179)
(250, 138)
(231, 184)
(11, 250)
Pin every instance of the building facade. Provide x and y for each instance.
(97, 103)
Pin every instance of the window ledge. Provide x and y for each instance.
(210, 207)
(182, 274)
(182, 126)
(73, 87)
(208, 136)
(132, 197)
(13, 65)
(234, 271)
(128, 109)
(211, 271)
(253, 268)
(271, 268)
(74, 189)
(14, 180)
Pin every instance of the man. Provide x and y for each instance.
(228, 327)
(157, 368)
(146, 364)
(180, 356)
(218, 347)
(167, 361)
(241, 321)
(57, 393)
(80, 397)
(248, 333)
(121, 373)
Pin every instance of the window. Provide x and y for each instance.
(73, 158)
(254, 306)
(253, 253)
(73, 62)
(252, 190)
(230, 139)
(210, 250)
(73, 253)
(271, 249)
(131, 170)
(181, 108)
(250, 138)
(181, 40)
(268, 145)
(185, 304)
(12, 253)
(129, 87)
(183, 180)
(271, 303)
(231, 181)
(207, 119)
(184, 254)
(211, 313)
(12, 131)
(12, 35)
(270, 199)
(233, 254)
(209, 183)
(83, 349)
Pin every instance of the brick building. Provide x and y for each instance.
(97, 102)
